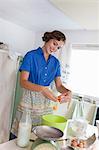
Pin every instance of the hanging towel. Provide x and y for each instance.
(86, 110)
(78, 111)
(7, 87)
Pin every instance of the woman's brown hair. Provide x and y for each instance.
(54, 35)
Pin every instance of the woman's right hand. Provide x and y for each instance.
(49, 94)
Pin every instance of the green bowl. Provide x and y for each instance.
(54, 121)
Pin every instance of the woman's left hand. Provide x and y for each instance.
(65, 97)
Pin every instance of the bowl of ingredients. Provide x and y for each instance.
(78, 127)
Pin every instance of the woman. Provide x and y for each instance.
(39, 68)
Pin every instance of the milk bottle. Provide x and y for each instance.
(24, 129)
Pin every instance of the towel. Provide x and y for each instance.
(8, 69)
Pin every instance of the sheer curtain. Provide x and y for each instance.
(8, 68)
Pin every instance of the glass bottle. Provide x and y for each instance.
(24, 130)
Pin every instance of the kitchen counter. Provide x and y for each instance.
(11, 145)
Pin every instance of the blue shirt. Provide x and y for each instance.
(41, 72)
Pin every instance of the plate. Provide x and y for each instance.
(47, 133)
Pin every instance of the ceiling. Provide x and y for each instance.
(50, 14)
(85, 12)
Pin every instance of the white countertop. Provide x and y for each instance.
(11, 145)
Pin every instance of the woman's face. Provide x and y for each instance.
(53, 45)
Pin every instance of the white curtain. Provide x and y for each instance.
(8, 68)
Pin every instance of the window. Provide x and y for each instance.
(84, 71)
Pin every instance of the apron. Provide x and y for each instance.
(36, 103)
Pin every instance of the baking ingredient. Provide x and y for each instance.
(55, 107)
(45, 146)
(74, 143)
(24, 130)
(78, 143)
(61, 97)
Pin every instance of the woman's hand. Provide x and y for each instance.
(66, 93)
(49, 94)
(65, 97)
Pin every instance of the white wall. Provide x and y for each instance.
(21, 39)
(75, 36)
(83, 36)
(18, 38)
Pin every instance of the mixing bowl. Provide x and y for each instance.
(54, 121)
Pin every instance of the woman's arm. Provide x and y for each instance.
(66, 93)
(35, 87)
(24, 75)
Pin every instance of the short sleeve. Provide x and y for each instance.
(26, 63)
(58, 72)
